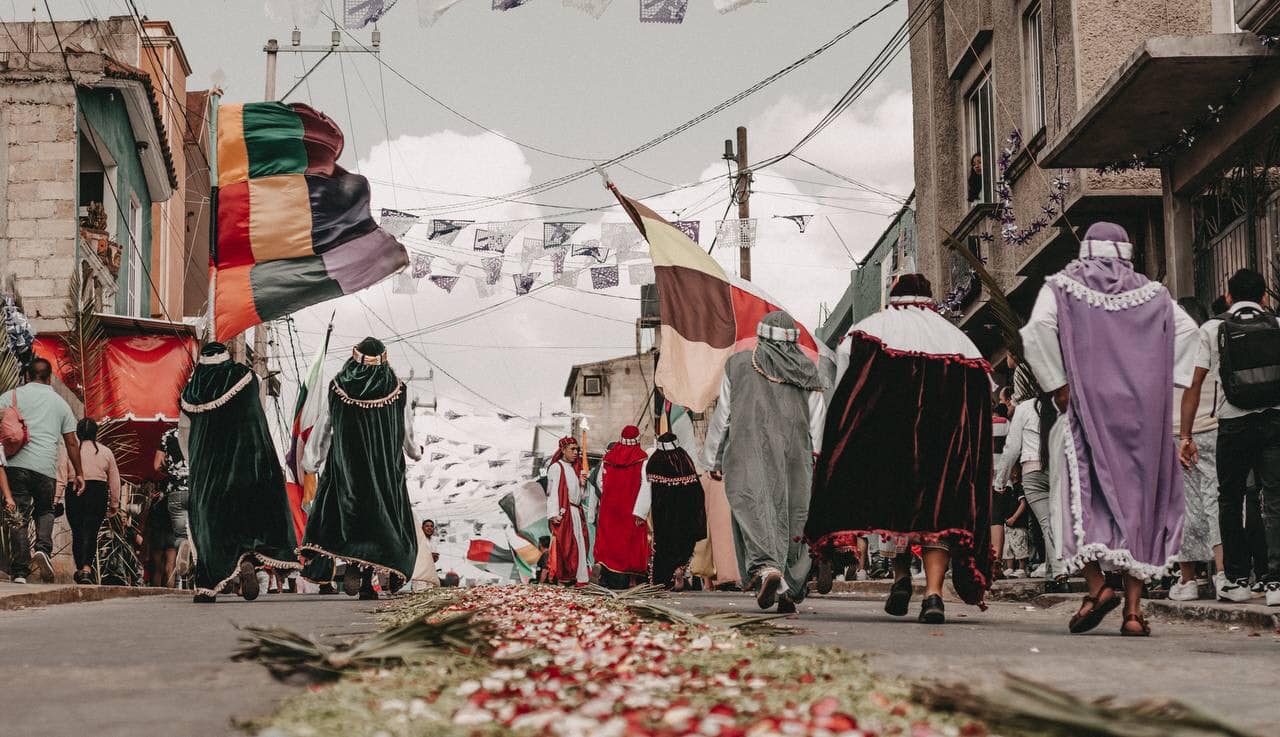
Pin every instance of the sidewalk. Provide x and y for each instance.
(21, 596)
(1253, 616)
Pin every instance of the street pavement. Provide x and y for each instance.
(1230, 670)
(161, 665)
(150, 666)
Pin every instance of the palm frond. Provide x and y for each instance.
(1006, 318)
(287, 653)
(752, 624)
(9, 370)
(1021, 704)
(643, 591)
(86, 344)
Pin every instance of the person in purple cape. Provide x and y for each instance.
(1110, 345)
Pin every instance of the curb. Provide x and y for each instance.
(72, 594)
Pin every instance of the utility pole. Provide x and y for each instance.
(262, 331)
(742, 193)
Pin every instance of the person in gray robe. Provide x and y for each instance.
(762, 441)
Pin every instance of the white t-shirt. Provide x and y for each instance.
(1207, 358)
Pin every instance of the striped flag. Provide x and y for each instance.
(706, 315)
(293, 228)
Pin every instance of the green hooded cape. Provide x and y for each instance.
(362, 512)
(239, 505)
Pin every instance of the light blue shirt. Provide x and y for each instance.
(48, 418)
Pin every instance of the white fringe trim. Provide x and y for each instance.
(1115, 560)
(1073, 481)
(377, 567)
(1109, 302)
(368, 403)
(263, 560)
(220, 401)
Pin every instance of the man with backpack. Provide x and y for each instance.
(1242, 349)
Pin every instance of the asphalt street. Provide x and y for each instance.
(161, 665)
(1229, 670)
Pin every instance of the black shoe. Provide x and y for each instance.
(770, 582)
(204, 599)
(786, 605)
(826, 577)
(328, 588)
(366, 586)
(899, 597)
(82, 578)
(351, 580)
(932, 611)
(248, 580)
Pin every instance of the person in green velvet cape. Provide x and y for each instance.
(362, 512)
(239, 518)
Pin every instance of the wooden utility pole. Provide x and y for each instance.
(742, 189)
(262, 331)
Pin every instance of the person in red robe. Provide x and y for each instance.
(565, 514)
(622, 535)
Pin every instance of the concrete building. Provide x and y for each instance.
(612, 394)
(1203, 112)
(984, 69)
(869, 282)
(86, 161)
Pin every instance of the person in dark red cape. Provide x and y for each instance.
(907, 450)
(622, 535)
(565, 514)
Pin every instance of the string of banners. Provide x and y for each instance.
(619, 250)
(357, 14)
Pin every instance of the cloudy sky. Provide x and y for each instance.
(547, 89)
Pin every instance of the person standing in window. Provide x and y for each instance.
(975, 178)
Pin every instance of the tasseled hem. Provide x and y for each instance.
(220, 401)
(368, 403)
(335, 557)
(979, 363)
(1121, 561)
(959, 542)
(262, 561)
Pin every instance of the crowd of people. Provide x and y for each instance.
(1138, 439)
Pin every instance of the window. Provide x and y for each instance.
(1033, 68)
(136, 290)
(980, 141)
(592, 386)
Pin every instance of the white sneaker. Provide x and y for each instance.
(917, 575)
(1235, 591)
(19, 579)
(1273, 593)
(1040, 571)
(1184, 591)
(863, 575)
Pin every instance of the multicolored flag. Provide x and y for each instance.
(293, 228)
(705, 315)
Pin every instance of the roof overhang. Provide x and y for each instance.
(1164, 85)
(137, 101)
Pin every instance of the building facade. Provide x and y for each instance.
(993, 82)
(1211, 133)
(89, 169)
(606, 396)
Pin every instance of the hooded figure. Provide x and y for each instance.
(362, 512)
(679, 517)
(907, 450)
(762, 440)
(1110, 345)
(239, 516)
(622, 537)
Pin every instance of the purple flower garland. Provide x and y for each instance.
(1009, 230)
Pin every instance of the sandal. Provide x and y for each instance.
(1100, 606)
(1144, 631)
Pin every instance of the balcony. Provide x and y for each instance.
(1258, 16)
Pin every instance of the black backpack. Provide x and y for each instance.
(1249, 358)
